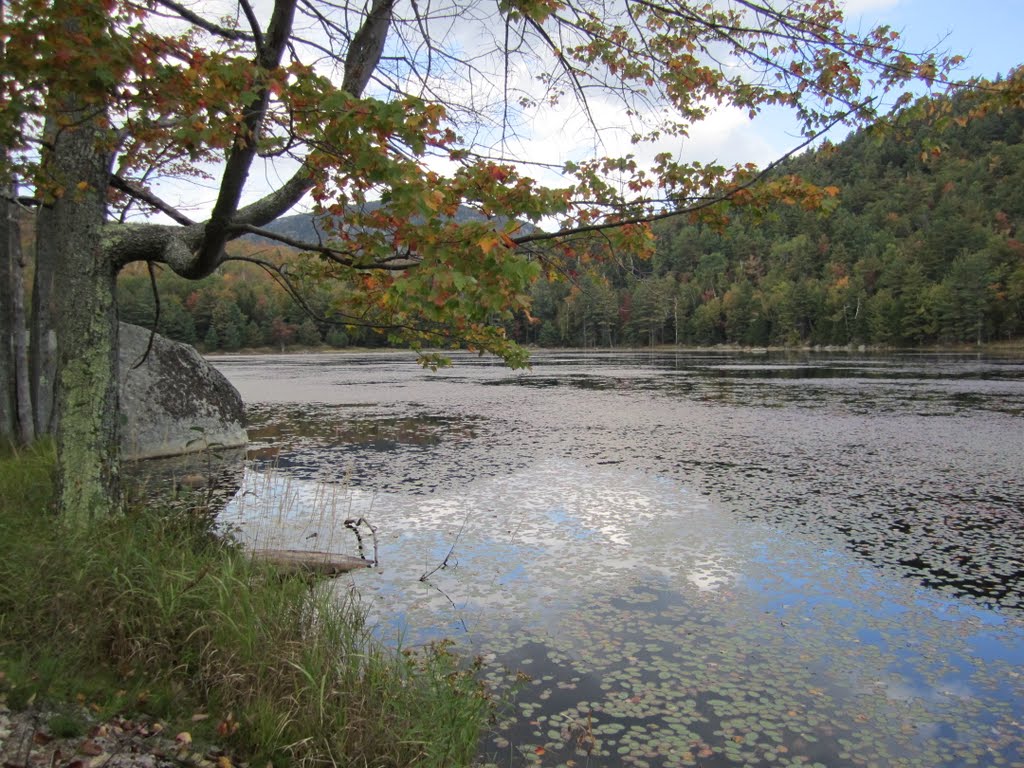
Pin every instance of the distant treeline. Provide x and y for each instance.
(238, 307)
(921, 249)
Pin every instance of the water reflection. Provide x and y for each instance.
(694, 567)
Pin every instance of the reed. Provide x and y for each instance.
(153, 612)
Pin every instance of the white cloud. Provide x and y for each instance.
(852, 7)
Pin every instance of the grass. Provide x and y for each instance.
(150, 612)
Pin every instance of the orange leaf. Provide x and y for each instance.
(487, 243)
(434, 199)
(90, 747)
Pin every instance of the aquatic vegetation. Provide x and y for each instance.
(686, 567)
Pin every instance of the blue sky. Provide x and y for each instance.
(990, 31)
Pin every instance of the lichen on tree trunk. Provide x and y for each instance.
(85, 281)
(87, 434)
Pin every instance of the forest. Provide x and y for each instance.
(918, 246)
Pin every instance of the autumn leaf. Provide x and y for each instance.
(433, 199)
(90, 747)
(488, 242)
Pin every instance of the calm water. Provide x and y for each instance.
(698, 559)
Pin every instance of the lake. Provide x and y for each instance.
(669, 559)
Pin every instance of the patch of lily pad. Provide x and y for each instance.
(659, 579)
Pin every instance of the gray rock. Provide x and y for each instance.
(175, 402)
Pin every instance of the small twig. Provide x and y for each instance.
(458, 612)
(353, 525)
(515, 533)
(444, 563)
(156, 315)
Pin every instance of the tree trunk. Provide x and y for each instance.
(16, 422)
(675, 320)
(8, 404)
(8, 369)
(85, 280)
(23, 390)
(43, 335)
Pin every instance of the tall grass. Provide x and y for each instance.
(154, 604)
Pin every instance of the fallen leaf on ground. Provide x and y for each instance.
(90, 747)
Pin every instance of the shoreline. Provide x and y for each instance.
(1006, 348)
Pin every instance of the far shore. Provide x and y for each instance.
(1011, 348)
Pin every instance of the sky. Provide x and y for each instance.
(989, 32)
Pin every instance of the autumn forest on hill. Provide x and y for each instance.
(918, 247)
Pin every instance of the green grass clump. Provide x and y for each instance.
(151, 610)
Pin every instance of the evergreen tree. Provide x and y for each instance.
(307, 334)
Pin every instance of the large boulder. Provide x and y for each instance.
(174, 402)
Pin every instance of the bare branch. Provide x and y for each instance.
(346, 258)
(199, 21)
(254, 23)
(144, 195)
(156, 315)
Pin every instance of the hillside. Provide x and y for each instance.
(921, 249)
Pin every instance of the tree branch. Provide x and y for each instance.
(366, 47)
(349, 258)
(145, 196)
(279, 276)
(254, 24)
(706, 203)
(199, 21)
(227, 220)
(243, 151)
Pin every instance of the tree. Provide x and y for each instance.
(592, 307)
(282, 333)
(254, 336)
(307, 334)
(228, 325)
(175, 322)
(969, 289)
(738, 307)
(652, 307)
(16, 417)
(367, 104)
